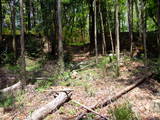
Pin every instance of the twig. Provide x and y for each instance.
(89, 109)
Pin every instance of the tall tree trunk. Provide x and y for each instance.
(143, 17)
(95, 30)
(117, 37)
(130, 24)
(28, 6)
(34, 15)
(0, 20)
(60, 38)
(110, 32)
(23, 64)
(47, 48)
(158, 38)
(13, 17)
(91, 26)
(140, 21)
(102, 28)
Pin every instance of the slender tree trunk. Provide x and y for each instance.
(23, 64)
(95, 30)
(60, 38)
(0, 20)
(102, 28)
(143, 17)
(139, 20)
(130, 24)
(29, 15)
(110, 32)
(91, 26)
(158, 38)
(47, 48)
(33, 12)
(117, 36)
(13, 14)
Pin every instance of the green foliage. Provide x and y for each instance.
(155, 68)
(7, 58)
(123, 112)
(106, 60)
(43, 84)
(90, 116)
(67, 58)
(103, 61)
(7, 101)
(32, 65)
(13, 68)
(34, 47)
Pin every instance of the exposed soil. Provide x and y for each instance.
(91, 86)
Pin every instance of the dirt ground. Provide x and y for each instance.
(91, 86)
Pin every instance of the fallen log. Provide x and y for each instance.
(11, 88)
(50, 107)
(114, 98)
(89, 109)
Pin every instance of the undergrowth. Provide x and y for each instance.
(123, 112)
(7, 101)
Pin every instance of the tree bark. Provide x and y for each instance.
(91, 26)
(139, 21)
(50, 107)
(110, 32)
(158, 38)
(11, 88)
(28, 9)
(22, 42)
(130, 24)
(102, 28)
(60, 38)
(0, 20)
(117, 37)
(34, 15)
(13, 20)
(95, 29)
(143, 17)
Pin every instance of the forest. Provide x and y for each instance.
(79, 59)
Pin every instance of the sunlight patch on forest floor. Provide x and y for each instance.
(91, 86)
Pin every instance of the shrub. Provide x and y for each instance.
(123, 112)
(7, 101)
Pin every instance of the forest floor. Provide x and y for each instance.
(92, 83)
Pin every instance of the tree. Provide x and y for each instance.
(95, 30)
(22, 42)
(108, 21)
(60, 38)
(144, 25)
(91, 25)
(158, 16)
(13, 21)
(28, 10)
(102, 30)
(117, 36)
(130, 23)
(0, 20)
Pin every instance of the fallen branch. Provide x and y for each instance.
(50, 107)
(114, 98)
(11, 88)
(89, 109)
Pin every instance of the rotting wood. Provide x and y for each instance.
(43, 111)
(114, 98)
(11, 88)
(89, 109)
